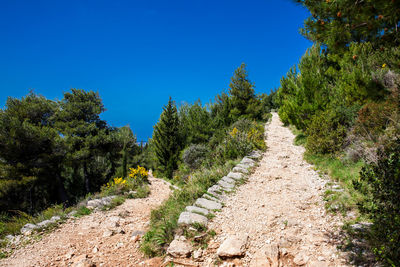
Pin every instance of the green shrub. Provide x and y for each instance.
(194, 155)
(328, 129)
(380, 182)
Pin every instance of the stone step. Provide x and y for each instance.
(208, 204)
(235, 175)
(191, 218)
(194, 209)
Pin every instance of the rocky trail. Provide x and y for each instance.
(100, 239)
(278, 217)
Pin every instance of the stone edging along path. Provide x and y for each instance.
(212, 200)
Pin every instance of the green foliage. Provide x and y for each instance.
(194, 155)
(82, 211)
(166, 139)
(243, 99)
(195, 122)
(328, 130)
(164, 219)
(380, 182)
(336, 24)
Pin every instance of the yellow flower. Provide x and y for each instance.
(234, 132)
(384, 66)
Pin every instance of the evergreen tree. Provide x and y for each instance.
(243, 99)
(337, 23)
(166, 139)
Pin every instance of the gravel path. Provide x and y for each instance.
(281, 209)
(99, 239)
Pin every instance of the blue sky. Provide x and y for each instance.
(138, 53)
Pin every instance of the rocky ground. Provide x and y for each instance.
(99, 239)
(278, 217)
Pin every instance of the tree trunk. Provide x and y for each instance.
(87, 180)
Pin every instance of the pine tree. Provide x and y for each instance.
(166, 139)
(243, 99)
(338, 23)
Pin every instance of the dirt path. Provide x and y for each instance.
(102, 238)
(281, 210)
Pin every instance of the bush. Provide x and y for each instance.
(194, 155)
(328, 129)
(381, 184)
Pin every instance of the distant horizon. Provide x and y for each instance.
(138, 54)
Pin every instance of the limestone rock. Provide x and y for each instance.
(197, 254)
(108, 233)
(208, 204)
(44, 223)
(226, 185)
(248, 161)
(94, 203)
(301, 259)
(191, 218)
(28, 228)
(228, 180)
(233, 246)
(207, 196)
(235, 175)
(240, 169)
(267, 256)
(82, 261)
(197, 210)
(244, 166)
(179, 247)
(55, 218)
(215, 190)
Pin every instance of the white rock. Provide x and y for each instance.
(235, 175)
(191, 218)
(233, 246)
(179, 247)
(241, 170)
(197, 210)
(208, 204)
(228, 180)
(28, 228)
(226, 185)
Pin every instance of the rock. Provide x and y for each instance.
(215, 190)
(106, 201)
(44, 223)
(301, 259)
(197, 210)
(94, 203)
(267, 256)
(82, 261)
(233, 246)
(95, 250)
(241, 170)
(108, 233)
(248, 161)
(208, 204)
(113, 222)
(69, 255)
(136, 235)
(226, 185)
(255, 155)
(191, 218)
(228, 180)
(72, 213)
(207, 196)
(153, 262)
(55, 218)
(28, 228)
(10, 237)
(244, 166)
(119, 245)
(235, 175)
(197, 254)
(179, 247)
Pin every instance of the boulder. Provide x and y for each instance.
(235, 175)
(244, 166)
(191, 218)
(233, 246)
(179, 247)
(267, 256)
(255, 155)
(208, 204)
(55, 218)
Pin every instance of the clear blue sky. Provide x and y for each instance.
(138, 53)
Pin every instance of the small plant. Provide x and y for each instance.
(82, 211)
